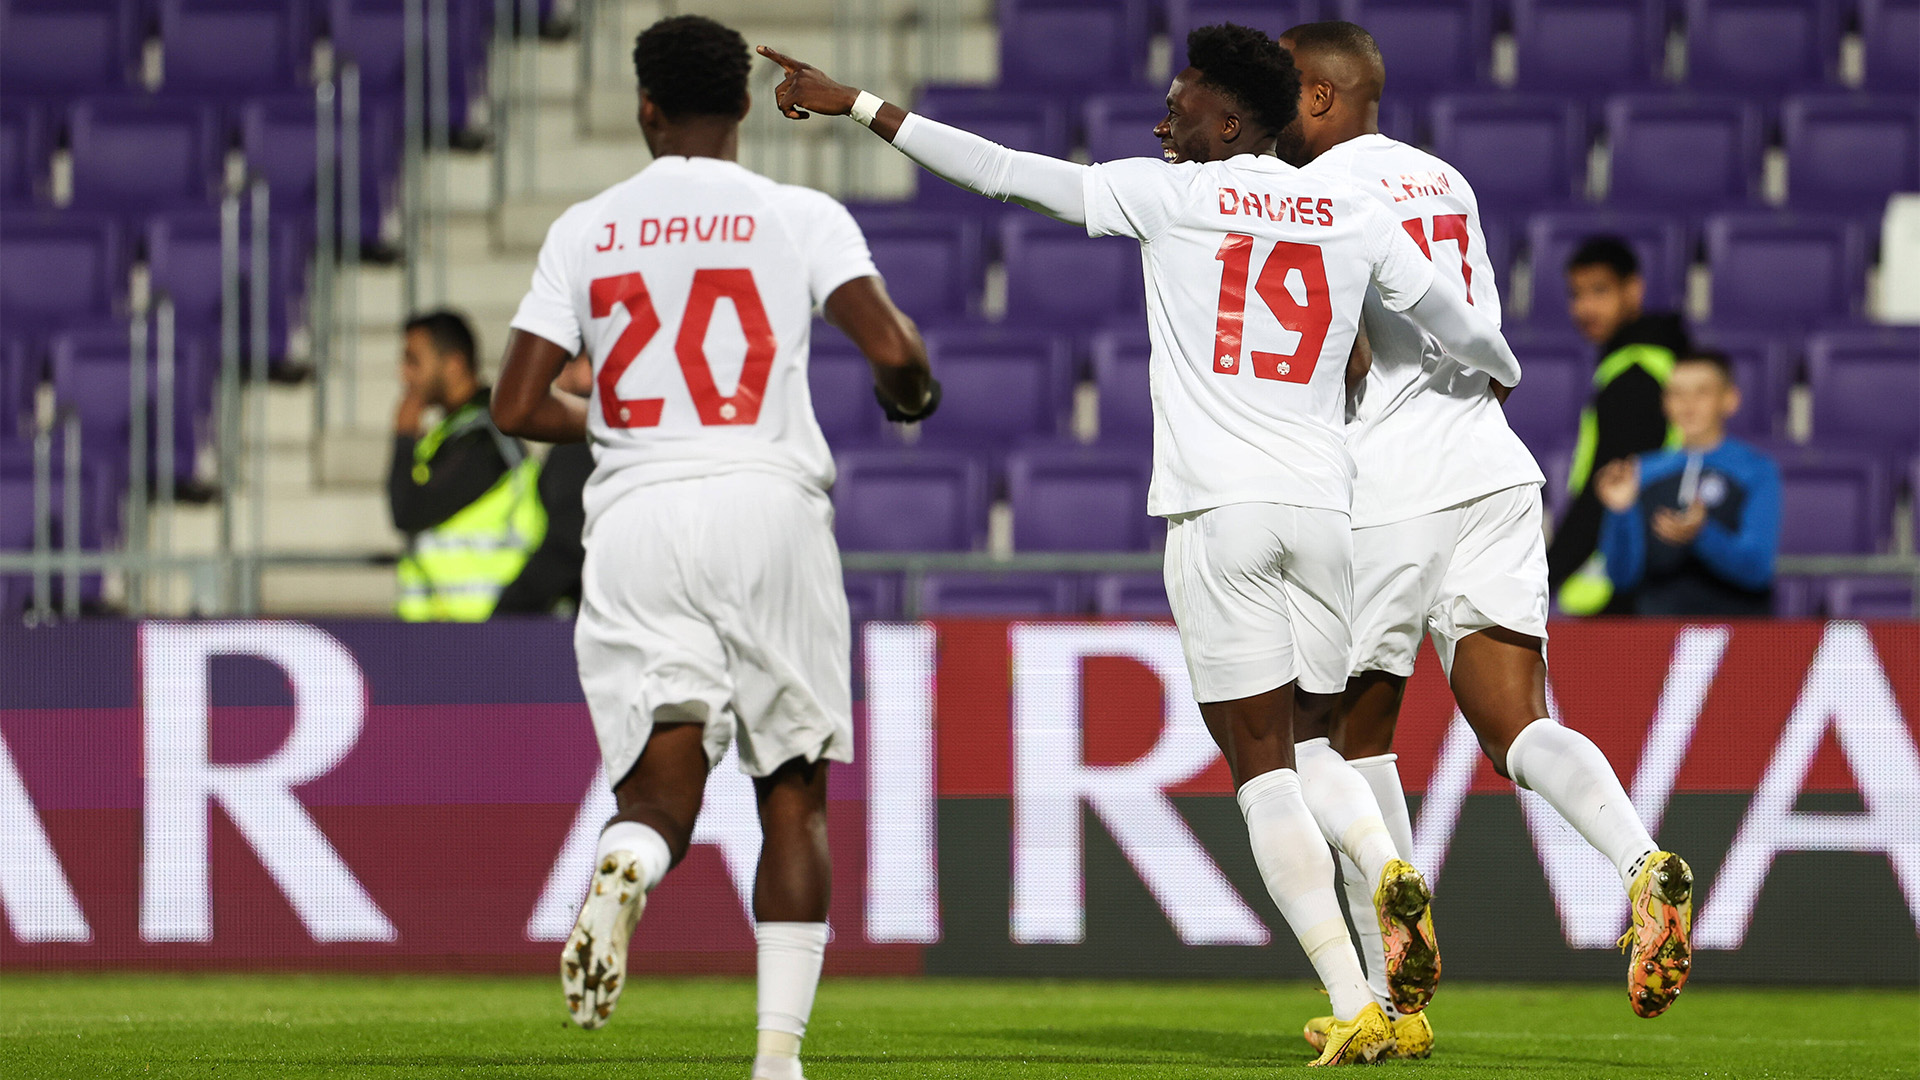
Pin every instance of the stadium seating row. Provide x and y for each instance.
(1575, 46)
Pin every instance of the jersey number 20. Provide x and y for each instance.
(709, 286)
(1309, 319)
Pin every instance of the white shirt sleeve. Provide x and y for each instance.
(1401, 273)
(1137, 197)
(547, 310)
(835, 248)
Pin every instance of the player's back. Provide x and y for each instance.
(1256, 273)
(693, 285)
(1427, 432)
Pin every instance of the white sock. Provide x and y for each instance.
(1343, 806)
(1293, 861)
(1383, 776)
(789, 969)
(646, 846)
(1571, 773)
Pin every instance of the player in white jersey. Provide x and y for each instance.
(1255, 274)
(1447, 539)
(712, 612)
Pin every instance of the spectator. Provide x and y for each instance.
(463, 493)
(550, 582)
(1605, 294)
(1694, 531)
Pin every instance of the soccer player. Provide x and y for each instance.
(1255, 275)
(712, 611)
(1447, 536)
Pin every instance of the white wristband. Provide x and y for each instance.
(865, 107)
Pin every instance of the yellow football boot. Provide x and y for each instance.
(1412, 1035)
(1661, 899)
(1363, 1040)
(1405, 906)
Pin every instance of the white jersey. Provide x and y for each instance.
(1428, 432)
(1255, 275)
(693, 284)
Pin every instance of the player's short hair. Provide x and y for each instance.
(450, 333)
(1609, 251)
(1713, 358)
(689, 65)
(1250, 67)
(1339, 38)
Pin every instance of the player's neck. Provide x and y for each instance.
(715, 137)
(1703, 442)
(1365, 122)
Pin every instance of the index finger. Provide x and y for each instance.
(782, 59)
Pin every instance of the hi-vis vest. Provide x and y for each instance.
(454, 571)
(1589, 590)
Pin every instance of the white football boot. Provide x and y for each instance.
(593, 969)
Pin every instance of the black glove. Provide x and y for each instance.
(900, 416)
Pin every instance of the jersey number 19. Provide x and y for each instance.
(1308, 315)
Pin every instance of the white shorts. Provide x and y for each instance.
(1452, 573)
(719, 602)
(1261, 593)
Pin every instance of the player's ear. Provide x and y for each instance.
(649, 113)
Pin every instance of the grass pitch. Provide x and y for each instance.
(295, 1026)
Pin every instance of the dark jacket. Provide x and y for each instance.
(552, 573)
(1627, 418)
(466, 464)
(1728, 568)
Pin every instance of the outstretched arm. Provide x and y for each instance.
(1470, 336)
(1049, 185)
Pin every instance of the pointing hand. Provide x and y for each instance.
(806, 89)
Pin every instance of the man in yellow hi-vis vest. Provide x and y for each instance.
(463, 492)
(1624, 417)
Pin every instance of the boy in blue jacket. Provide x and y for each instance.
(1693, 531)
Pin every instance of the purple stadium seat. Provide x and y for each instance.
(841, 385)
(994, 595)
(1121, 125)
(1783, 270)
(59, 267)
(133, 153)
(934, 264)
(101, 488)
(910, 500)
(1682, 152)
(1273, 16)
(23, 153)
(235, 45)
(1120, 366)
(1556, 380)
(1870, 598)
(183, 261)
(1131, 595)
(872, 597)
(1020, 121)
(91, 375)
(1077, 498)
(1429, 45)
(1796, 598)
(1761, 45)
(1866, 389)
(1589, 46)
(1763, 367)
(67, 46)
(1890, 33)
(1058, 277)
(1076, 45)
(1833, 502)
(277, 136)
(1846, 154)
(1400, 120)
(1660, 242)
(1517, 152)
(19, 373)
(999, 386)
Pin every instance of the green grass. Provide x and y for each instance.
(293, 1026)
